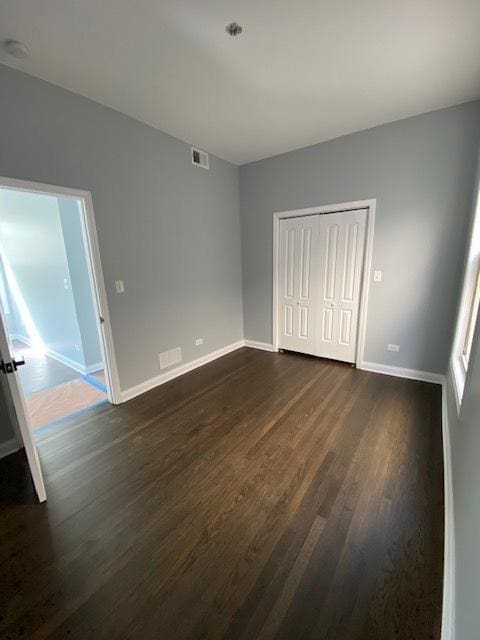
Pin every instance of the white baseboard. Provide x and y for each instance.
(73, 364)
(128, 394)
(253, 344)
(8, 447)
(18, 336)
(448, 608)
(93, 368)
(400, 372)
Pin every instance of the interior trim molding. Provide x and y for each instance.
(138, 389)
(8, 447)
(457, 393)
(254, 344)
(448, 605)
(73, 364)
(93, 368)
(400, 372)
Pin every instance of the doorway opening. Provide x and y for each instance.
(322, 259)
(53, 303)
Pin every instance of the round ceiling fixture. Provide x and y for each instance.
(233, 29)
(16, 49)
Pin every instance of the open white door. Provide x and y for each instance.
(8, 369)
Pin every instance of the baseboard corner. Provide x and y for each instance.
(401, 372)
(255, 344)
(93, 368)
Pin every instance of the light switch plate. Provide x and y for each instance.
(377, 276)
(119, 286)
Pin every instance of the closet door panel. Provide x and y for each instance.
(297, 284)
(341, 251)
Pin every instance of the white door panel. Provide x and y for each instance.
(341, 251)
(297, 284)
(7, 355)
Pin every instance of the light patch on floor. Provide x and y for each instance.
(100, 376)
(52, 404)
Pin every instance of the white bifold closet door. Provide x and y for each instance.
(342, 242)
(320, 274)
(297, 284)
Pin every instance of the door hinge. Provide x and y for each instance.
(11, 367)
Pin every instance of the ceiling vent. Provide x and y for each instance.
(200, 158)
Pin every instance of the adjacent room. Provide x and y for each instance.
(48, 306)
(239, 320)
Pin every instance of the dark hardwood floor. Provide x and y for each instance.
(261, 496)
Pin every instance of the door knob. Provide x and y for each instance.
(10, 367)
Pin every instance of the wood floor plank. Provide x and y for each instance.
(277, 613)
(261, 496)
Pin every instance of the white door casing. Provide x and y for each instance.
(341, 257)
(7, 355)
(297, 284)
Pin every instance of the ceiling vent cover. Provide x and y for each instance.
(200, 158)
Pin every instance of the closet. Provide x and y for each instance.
(320, 265)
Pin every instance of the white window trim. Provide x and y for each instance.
(458, 367)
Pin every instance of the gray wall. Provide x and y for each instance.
(6, 427)
(421, 171)
(80, 281)
(32, 244)
(465, 448)
(169, 229)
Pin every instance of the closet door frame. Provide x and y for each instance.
(369, 205)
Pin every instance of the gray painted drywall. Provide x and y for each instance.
(32, 245)
(80, 281)
(421, 171)
(6, 427)
(465, 452)
(169, 229)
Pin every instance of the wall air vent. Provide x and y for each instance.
(200, 158)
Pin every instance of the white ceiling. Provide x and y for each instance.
(303, 71)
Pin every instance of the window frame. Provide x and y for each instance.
(471, 321)
(468, 312)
